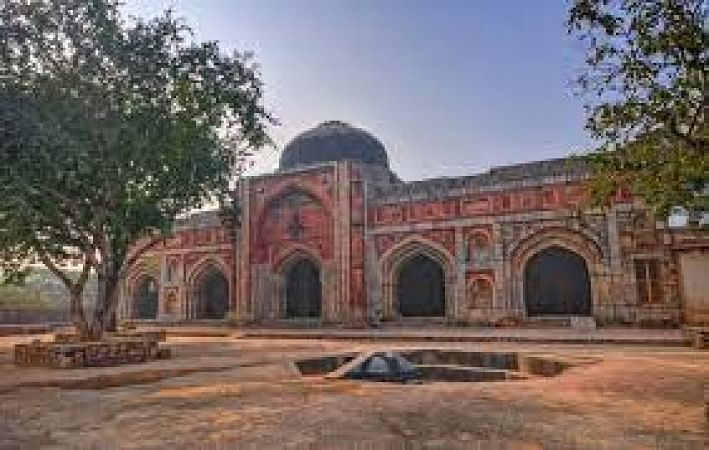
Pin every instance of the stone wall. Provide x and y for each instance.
(690, 249)
(491, 224)
(199, 244)
(358, 224)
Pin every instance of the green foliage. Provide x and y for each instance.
(644, 77)
(110, 130)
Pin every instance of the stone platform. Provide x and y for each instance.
(625, 336)
(67, 351)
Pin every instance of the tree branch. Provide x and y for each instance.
(674, 129)
(55, 270)
(153, 241)
(85, 272)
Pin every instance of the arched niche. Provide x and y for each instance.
(480, 293)
(430, 257)
(172, 306)
(145, 298)
(420, 287)
(300, 274)
(480, 249)
(209, 290)
(576, 242)
(556, 282)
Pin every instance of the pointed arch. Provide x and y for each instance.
(580, 243)
(293, 253)
(145, 298)
(294, 216)
(299, 270)
(288, 190)
(556, 282)
(426, 254)
(134, 282)
(209, 286)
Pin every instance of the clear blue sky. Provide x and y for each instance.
(451, 87)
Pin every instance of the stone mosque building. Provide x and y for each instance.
(335, 237)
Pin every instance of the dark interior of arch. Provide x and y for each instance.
(146, 299)
(303, 290)
(420, 288)
(556, 282)
(213, 296)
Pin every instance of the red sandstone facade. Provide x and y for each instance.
(344, 235)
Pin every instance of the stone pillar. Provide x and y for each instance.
(340, 301)
(502, 301)
(614, 273)
(459, 297)
(344, 209)
(373, 280)
(244, 307)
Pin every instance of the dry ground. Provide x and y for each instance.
(248, 396)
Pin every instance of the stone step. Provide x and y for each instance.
(576, 322)
(452, 372)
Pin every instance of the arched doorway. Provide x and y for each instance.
(556, 282)
(213, 295)
(421, 288)
(303, 290)
(145, 299)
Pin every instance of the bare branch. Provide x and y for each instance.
(55, 270)
(135, 255)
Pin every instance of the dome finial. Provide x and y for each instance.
(339, 123)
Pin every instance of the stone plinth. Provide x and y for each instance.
(67, 352)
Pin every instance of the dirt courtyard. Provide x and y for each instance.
(244, 393)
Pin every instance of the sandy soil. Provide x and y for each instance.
(249, 396)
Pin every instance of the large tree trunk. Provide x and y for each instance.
(106, 303)
(86, 330)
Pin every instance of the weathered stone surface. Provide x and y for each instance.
(70, 353)
(358, 224)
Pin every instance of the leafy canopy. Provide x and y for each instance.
(112, 128)
(644, 75)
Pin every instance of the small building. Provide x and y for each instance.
(335, 237)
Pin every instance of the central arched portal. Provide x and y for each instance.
(303, 290)
(421, 288)
(556, 282)
(213, 294)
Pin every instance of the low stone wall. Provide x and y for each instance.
(157, 336)
(67, 352)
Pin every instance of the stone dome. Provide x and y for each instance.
(333, 141)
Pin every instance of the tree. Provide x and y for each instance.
(110, 130)
(644, 75)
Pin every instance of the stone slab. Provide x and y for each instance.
(541, 336)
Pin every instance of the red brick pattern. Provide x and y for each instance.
(532, 199)
(295, 218)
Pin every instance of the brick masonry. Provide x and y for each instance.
(358, 224)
